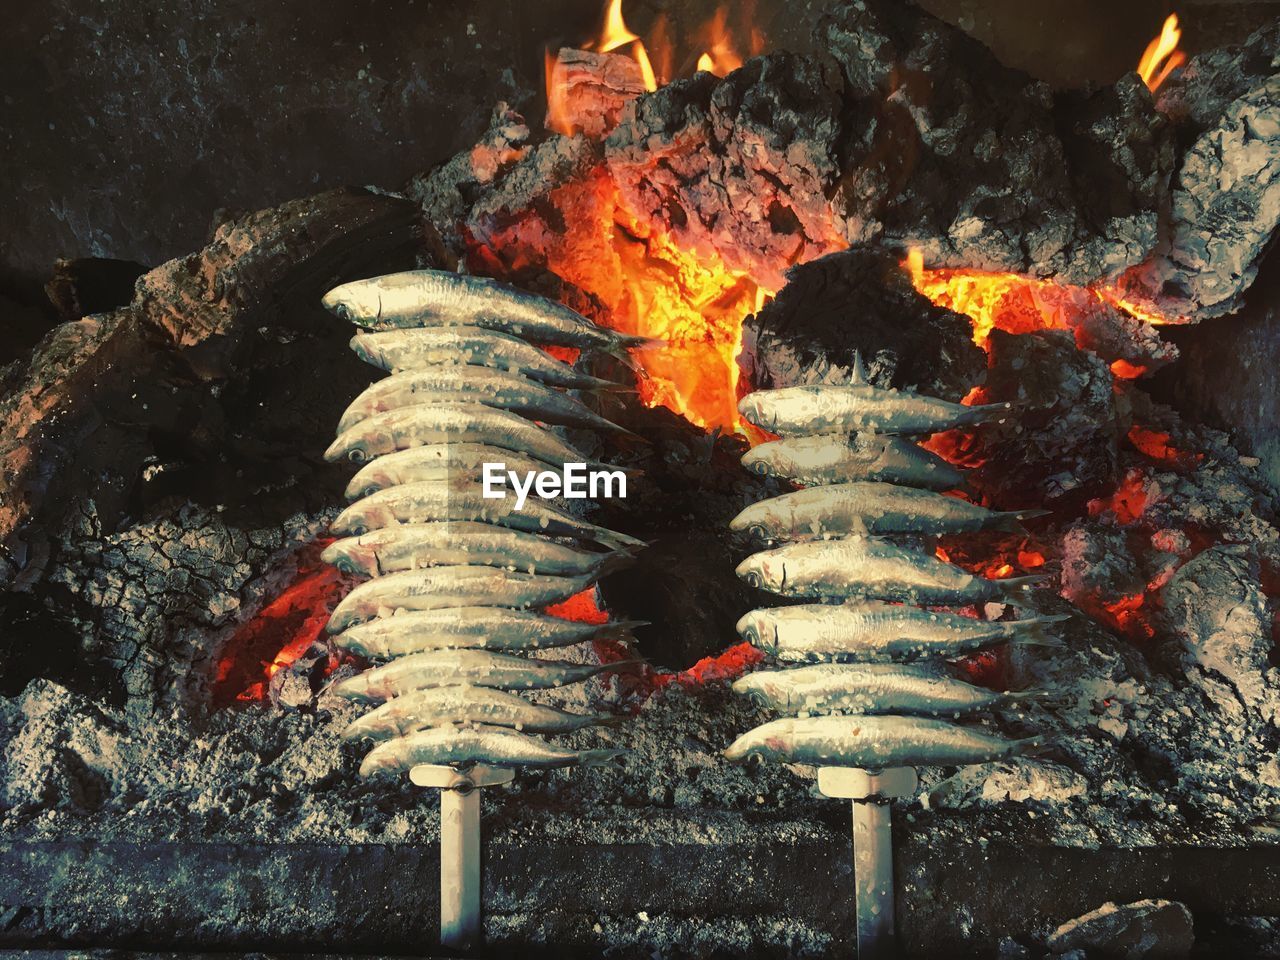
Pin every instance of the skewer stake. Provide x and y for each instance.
(870, 792)
(459, 846)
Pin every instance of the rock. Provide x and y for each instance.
(1017, 781)
(1146, 928)
(859, 301)
(977, 164)
(1218, 613)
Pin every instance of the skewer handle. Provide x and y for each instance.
(459, 846)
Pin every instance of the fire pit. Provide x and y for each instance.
(171, 771)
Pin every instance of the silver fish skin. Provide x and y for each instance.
(438, 706)
(437, 587)
(459, 464)
(410, 546)
(865, 507)
(832, 458)
(871, 568)
(396, 350)
(868, 688)
(454, 383)
(440, 423)
(874, 631)
(435, 298)
(463, 746)
(474, 628)
(428, 501)
(860, 408)
(451, 668)
(874, 743)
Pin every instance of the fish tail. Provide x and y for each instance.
(611, 563)
(1037, 639)
(1031, 632)
(1030, 745)
(632, 341)
(608, 719)
(612, 539)
(596, 758)
(988, 412)
(1010, 521)
(621, 630)
(631, 663)
(1013, 588)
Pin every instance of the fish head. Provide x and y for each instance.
(366, 482)
(366, 440)
(362, 517)
(380, 758)
(751, 570)
(756, 521)
(369, 349)
(358, 300)
(749, 744)
(755, 408)
(759, 460)
(351, 555)
(756, 627)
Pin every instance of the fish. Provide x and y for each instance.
(859, 407)
(871, 630)
(426, 423)
(457, 586)
(872, 688)
(396, 350)
(872, 568)
(481, 668)
(459, 464)
(463, 746)
(409, 546)
(427, 501)
(868, 507)
(475, 628)
(436, 298)
(452, 383)
(437, 706)
(874, 743)
(827, 458)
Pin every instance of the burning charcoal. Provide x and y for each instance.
(762, 141)
(589, 90)
(1216, 610)
(1099, 573)
(975, 164)
(859, 302)
(1146, 928)
(1063, 443)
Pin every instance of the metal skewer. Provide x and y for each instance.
(870, 792)
(459, 845)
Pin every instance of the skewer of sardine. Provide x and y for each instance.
(872, 631)
(434, 298)
(835, 458)
(431, 423)
(428, 501)
(456, 463)
(871, 568)
(481, 668)
(874, 743)
(858, 407)
(872, 688)
(463, 746)
(453, 383)
(475, 628)
(396, 350)
(460, 586)
(863, 507)
(437, 706)
(410, 546)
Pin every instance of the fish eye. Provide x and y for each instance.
(357, 455)
(760, 467)
(752, 579)
(759, 531)
(358, 528)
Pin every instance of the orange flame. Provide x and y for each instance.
(1162, 55)
(720, 57)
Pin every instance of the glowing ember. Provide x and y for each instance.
(1162, 55)
(616, 34)
(581, 608)
(1156, 445)
(1136, 492)
(282, 631)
